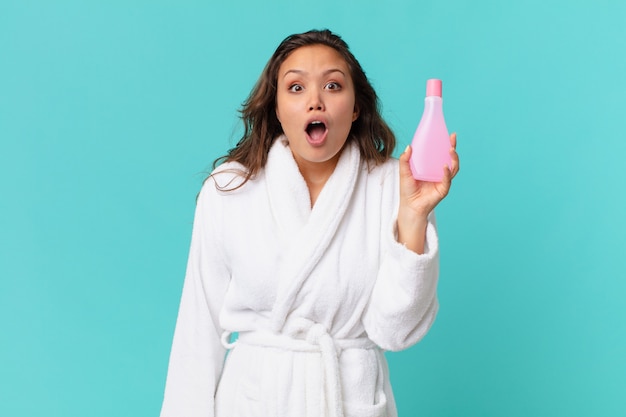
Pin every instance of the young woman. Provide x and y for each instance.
(310, 242)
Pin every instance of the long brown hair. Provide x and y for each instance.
(375, 139)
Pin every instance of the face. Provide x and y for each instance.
(315, 104)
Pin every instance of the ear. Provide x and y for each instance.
(355, 114)
(277, 114)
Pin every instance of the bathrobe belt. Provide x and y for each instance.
(303, 335)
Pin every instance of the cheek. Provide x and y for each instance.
(277, 108)
(348, 103)
(283, 110)
(350, 111)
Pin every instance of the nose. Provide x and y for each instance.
(315, 101)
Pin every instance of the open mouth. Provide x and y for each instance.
(316, 131)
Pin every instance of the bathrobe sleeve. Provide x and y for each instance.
(197, 356)
(403, 303)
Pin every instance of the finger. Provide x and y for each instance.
(453, 140)
(405, 169)
(454, 155)
(455, 162)
(446, 181)
(406, 154)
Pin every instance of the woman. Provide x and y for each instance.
(311, 243)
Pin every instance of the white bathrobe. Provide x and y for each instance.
(315, 294)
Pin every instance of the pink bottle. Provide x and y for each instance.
(431, 142)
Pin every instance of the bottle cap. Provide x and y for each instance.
(433, 87)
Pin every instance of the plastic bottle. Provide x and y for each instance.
(431, 142)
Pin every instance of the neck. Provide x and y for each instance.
(316, 174)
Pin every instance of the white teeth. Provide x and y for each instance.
(316, 122)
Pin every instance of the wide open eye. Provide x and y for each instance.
(295, 88)
(332, 86)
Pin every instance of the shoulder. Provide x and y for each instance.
(227, 185)
(228, 176)
(384, 172)
(390, 165)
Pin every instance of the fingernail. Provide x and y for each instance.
(407, 148)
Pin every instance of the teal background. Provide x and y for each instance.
(111, 113)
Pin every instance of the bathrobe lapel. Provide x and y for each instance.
(307, 231)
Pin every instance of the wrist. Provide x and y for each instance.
(412, 230)
(411, 218)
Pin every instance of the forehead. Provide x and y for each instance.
(312, 58)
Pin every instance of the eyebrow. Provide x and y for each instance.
(328, 71)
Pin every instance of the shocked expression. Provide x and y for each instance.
(315, 104)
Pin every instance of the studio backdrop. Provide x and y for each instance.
(111, 113)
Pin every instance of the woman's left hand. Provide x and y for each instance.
(419, 198)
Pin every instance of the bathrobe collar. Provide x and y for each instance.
(308, 231)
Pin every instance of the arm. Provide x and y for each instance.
(197, 356)
(419, 198)
(403, 304)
